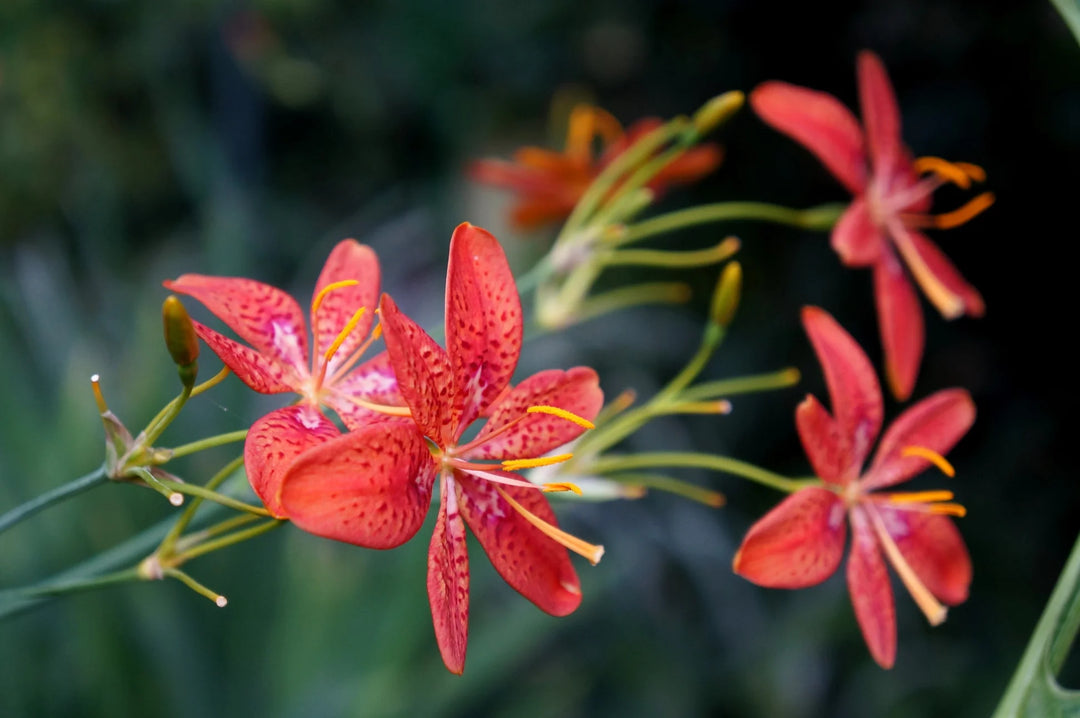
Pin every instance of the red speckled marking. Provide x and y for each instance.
(797, 544)
(370, 487)
(448, 581)
(483, 319)
(532, 563)
(257, 312)
(424, 376)
(348, 260)
(871, 594)
(576, 390)
(275, 441)
(254, 369)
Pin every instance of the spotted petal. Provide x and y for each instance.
(881, 116)
(483, 319)
(348, 260)
(263, 316)
(275, 441)
(819, 122)
(936, 423)
(576, 391)
(532, 563)
(373, 381)
(369, 487)
(932, 546)
(854, 391)
(258, 371)
(797, 544)
(425, 379)
(900, 319)
(448, 582)
(871, 594)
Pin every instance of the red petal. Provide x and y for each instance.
(853, 387)
(827, 449)
(258, 371)
(900, 320)
(856, 238)
(274, 442)
(933, 548)
(819, 122)
(945, 272)
(348, 260)
(372, 381)
(880, 114)
(532, 563)
(370, 487)
(936, 423)
(538, 211)
(576, 391)
(871, 594)
(448, 582)
(694, 164)
(263, 316)
(483, 319)
(423, 373)
(797, 544)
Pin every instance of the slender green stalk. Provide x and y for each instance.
(204, 493)
(742, 385)
(189, 512)
(192, 540)
(672, 486)
(672, 260)
(54, 496)
(1047, 650)
(631, 296)
(60, 588)
(614, 463)
(209, 443)
(228, 540)
(165, 417)
(822, 217)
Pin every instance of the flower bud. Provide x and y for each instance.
(717, 111)
(180, 338)
(726, 297)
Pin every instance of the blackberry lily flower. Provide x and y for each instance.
(881, 228)
(549, 184)
(801, 541)
(277, 359)
(446, 391)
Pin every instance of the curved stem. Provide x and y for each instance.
(822, 217)
(189, 512)
(54, 496)
(204, 493)
(209, 443)
(609, 464)
(228, 540)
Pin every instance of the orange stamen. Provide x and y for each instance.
(932, 456)
(344, 333)
(593, 552)
(944, 169)
(562, 414)
(949, 304)
(966, 213)
(99, 398)
(923, 497)
(586, 122)
(956, 510)
(515, 464)
(975, 172)
(932, 608)
(561, 486)
(387, 409)
(317, 301)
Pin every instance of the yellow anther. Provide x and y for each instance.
(561, 486)
(586, 122)
(593, 552)
(562, 414)
(515, 464)
(975, 172)
(957, 217)
(933, 457)
(317, 301)
(947, 510)
(340, 338)
(922, 497)
(944, 169)
(377, 331)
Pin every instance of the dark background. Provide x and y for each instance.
(140, 140)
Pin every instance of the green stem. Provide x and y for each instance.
(59, 588)
(165, 417)
(822, 217)
(209, 443)
(189, 512)
(229, 540)
(742, 385)
(613, 463)
(204, 493)
(673, 486)
(192, 540)
(1048, 648)
(54, 496)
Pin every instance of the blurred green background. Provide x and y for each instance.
(141, 140)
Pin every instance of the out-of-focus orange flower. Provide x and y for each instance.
(548, 184)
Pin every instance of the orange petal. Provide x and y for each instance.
(348, 260)
(936, 423)
(369, 487)
(871, 594)
(797, 544)
(828, 450)
(262, 373)
(945, 273)
(275, 441)
(900, 321)
(856, 238)
(533, 564)
(483, 319)
(819, 122)
(934, 549)
(854, 391)
(881, 116)
(448, 581)
(694, 164)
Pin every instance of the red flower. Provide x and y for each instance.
(278, 359)
(549, 184)
(881, 227)
(800, 542)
